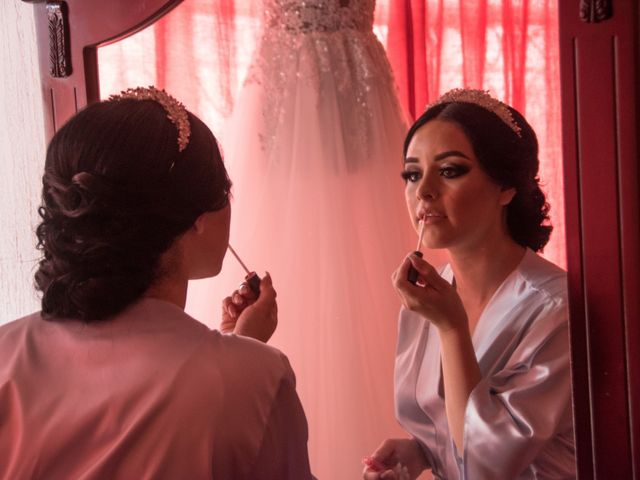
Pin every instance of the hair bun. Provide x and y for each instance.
(84, 180)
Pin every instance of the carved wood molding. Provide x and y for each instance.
(59, 52)
(594, 11)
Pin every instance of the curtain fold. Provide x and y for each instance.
(473, 34)
(515, 17)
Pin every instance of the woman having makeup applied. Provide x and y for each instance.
(482, 377)
(112, 379)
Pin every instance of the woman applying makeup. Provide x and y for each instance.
(482, 377)
(112, 379)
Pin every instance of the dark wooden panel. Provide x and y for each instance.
(90, 23)
(627, 61)
(578, 331)
(600, 124)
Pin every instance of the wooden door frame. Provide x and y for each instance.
(69, 34)
(599, 79)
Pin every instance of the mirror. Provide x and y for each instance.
(613, 345)
(202, 53)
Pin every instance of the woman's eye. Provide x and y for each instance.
(453, 171)
(410, 176)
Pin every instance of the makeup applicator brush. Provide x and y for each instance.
(412, 276)
(253, 280)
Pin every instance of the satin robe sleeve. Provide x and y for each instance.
(283, 451)
(512, 414)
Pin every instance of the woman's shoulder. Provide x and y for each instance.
(232, 350)
(543, 276)
(250, 352)
(11, 331)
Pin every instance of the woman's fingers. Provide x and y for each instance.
(259, 318)
(237, 299)
(266, 286)
(427, 272)
(368, 474)
(229, 316)
(229, 308)
(385, 454)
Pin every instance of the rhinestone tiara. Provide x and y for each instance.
(176, 112)
(483, 99)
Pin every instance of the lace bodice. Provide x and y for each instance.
(329, 47)
(318, 15)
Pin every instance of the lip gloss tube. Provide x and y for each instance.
(252, 278)
(412, 275)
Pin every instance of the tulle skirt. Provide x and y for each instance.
(327, 218)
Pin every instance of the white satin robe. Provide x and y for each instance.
(518, 421)
(149, 394)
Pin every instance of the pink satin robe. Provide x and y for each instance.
(152, 393)
(518, 422)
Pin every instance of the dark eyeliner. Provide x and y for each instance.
(407, 175)
(453, 171)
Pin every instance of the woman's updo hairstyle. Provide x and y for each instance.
(508, 157)
(117, 192)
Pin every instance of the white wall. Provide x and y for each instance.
(22, 151)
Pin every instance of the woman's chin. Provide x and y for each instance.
(208, 273)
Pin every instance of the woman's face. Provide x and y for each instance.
(461, 206)
(209, 249)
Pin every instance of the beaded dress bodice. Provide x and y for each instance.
(322, 44)
(296, 16)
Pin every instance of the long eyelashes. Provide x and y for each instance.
(410, 176)
(449, 171)
(453, 171)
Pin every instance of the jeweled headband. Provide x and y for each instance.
(176, 112)
(483, 99)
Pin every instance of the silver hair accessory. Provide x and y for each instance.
(483, 99)
(176, 112)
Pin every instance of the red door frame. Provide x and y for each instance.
(599, 70)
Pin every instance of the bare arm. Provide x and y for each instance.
(437, 301)
(461, 374)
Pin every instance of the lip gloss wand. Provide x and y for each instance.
(253, 280)
(412, 276)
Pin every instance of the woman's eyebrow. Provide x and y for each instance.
(440, 156)
(450, 153)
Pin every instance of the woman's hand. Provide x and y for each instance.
(435, 299)
(395, 459)
(432, 297)
(244, 314)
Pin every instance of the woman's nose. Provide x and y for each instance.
(427, 189)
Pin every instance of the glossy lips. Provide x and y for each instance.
(430, 216)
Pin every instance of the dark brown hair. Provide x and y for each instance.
(116, 194)
(510, 160)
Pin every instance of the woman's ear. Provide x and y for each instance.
(199, 224)
(506, 195)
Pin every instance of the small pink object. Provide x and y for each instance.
(374, 464)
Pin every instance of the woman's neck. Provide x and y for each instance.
(171, 284)
(172, 292)
(478, 272)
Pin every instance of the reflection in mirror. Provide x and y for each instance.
(317, 202)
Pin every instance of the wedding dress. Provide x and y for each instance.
(314, 149)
